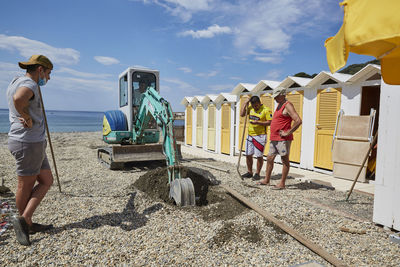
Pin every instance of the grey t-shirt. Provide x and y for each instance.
(17, 130)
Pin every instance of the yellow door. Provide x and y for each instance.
(189, 126)
(199, 126)
(243, 99)
(211, 128)
(328, 105)
(296, 98)
(225, 128)
(268, 101)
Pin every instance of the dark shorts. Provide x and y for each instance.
(30, 157)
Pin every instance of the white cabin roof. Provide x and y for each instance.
(263, 85)
(226, 97)
(365, 73)
(242, 87)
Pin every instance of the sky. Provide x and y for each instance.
(199, 46)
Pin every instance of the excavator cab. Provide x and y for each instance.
(142, 130)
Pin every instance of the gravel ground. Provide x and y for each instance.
(102, 219)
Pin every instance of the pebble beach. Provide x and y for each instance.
(101, 218)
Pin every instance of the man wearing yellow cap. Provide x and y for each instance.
(27, 143)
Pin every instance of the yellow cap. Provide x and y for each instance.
(37, 59)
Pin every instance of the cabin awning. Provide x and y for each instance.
(370, 27)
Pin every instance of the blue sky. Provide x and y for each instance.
(199, 46)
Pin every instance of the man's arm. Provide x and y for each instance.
(244, 107)
(21, 104)
(263, 123)
(295, 117)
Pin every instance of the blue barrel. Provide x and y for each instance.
(116, 119)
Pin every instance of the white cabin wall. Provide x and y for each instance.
(205, 126)
(184, 128)
(232, 132)
(308, 135)
(351, 99)
(218, 128)
(194, 126)
(387, 179)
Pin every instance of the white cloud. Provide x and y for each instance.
(183, 9)
(106, 60)
(268, 59)
(273, 74)
(184, 86)
(208, 33)
(74, 84)
(82, 74)
(266, 26)
(185, 69)
(208, 74)
(27, 47)
(222, 87)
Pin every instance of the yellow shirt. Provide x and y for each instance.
(262, 114)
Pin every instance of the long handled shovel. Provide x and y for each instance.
(362, 165)
(48, 136)
(241, 145)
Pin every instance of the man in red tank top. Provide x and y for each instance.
(281, 136)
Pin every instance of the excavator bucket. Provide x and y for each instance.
(182, 191)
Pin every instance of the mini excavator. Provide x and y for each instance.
(142, 130)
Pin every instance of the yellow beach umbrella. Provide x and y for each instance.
(370, 27)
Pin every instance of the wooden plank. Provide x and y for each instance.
(314, 247)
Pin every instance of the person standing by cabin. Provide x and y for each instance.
(27, 143)
(259, 118)
(281, 136)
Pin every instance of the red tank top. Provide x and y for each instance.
(280, 122)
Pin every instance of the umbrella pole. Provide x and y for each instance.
(241, 146)
(48, 136)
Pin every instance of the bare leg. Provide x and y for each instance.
(45, 180)
(24, 191)
(268, 170)
(285, 170)
(249, 162)
(260, 162)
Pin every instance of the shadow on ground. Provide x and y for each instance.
(129, 219)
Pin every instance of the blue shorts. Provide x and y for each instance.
(30, 157)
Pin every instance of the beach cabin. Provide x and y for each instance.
(199, 121)
(324, 96)
(242, 91)
(264, 90)
(211, 120)
(295, 87)
(188, 119)
(227, 125)
(322, 101)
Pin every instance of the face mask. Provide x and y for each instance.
(42, 82)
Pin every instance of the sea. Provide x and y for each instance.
(68, 121)
(63, 121)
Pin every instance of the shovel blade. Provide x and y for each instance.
(182, 191)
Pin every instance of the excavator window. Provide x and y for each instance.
(123, 91)
(140, 82)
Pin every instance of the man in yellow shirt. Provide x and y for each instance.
(259, 118)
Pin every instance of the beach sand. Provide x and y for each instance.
(102, 218)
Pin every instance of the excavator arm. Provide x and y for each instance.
(152, 105)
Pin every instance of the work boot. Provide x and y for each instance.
(21, 230)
